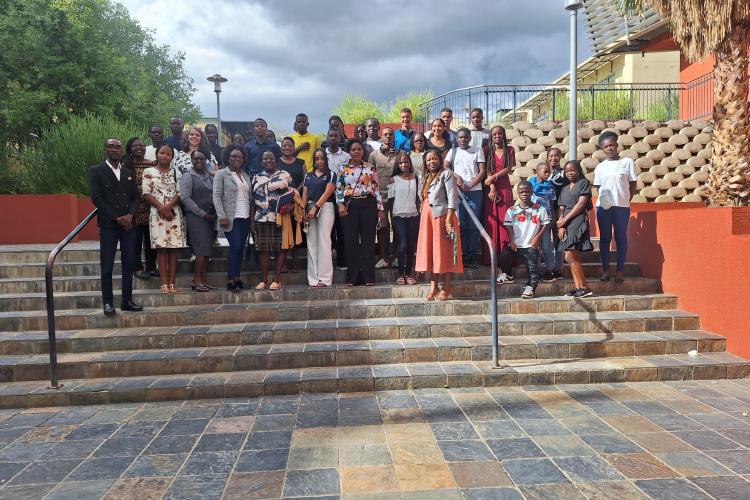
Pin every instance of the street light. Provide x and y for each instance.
(572, 6)
(218, 80)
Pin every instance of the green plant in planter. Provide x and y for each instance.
(59, 160)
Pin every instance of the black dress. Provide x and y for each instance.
(295, 169)
(577, 230)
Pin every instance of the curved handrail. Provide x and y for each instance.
(50, 291)
(493, 276)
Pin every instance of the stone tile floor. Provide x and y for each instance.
(636, 440)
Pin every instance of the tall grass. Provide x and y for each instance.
(663, 109)
(59, 160)
(11, 180)
(599, 105)
(354, 108)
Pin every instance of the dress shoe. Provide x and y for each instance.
(109, 310)
(143, 275)
(154, 273)
(129, 305)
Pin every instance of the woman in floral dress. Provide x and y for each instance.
(161, 189)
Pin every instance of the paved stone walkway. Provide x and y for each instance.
(638, 440)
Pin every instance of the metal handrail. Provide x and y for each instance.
(675, 85)
(493, 276)
(50, 291)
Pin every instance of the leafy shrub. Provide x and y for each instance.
(59, 160)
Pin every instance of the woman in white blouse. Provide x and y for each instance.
(232, 195)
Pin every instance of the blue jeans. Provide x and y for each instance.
(406, 230)
(469, 232)
(237, 238)
(553, 258)
(613, 218)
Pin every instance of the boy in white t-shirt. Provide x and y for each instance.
(616, 181)
(467, 163)
(525, 222)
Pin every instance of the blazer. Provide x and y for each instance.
(113, 198)
(225, 196)
(442, 193)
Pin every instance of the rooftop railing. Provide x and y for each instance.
(600, 101)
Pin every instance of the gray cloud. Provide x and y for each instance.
(287, 56)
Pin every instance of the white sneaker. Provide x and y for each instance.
(394, 263)
(342, 268)
(381, 264)
(505, 279)
(528, 293)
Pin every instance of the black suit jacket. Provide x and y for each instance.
(113, 198)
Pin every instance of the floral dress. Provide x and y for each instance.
(164, 186)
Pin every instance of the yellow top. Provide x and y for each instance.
(307, 155)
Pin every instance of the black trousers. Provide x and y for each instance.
(108, 240)
(359, 233)
(143, 243)
(529, 257)
(340, 239)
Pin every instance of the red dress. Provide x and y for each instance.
(494, 213)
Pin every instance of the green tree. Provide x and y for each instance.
(62, 58)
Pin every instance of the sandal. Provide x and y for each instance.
(173, 289)
(164, 289)
(261, 286)
(443, 295)
(275, 285)
(401, 280)
(431, 295)
(411, 281)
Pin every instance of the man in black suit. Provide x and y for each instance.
(114, 192)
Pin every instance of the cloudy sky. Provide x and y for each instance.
(286, 56)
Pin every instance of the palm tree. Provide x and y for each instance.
(719, 28)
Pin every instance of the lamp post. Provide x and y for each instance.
(572, 6)
(218, 80)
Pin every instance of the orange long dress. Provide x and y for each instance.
(435, 253)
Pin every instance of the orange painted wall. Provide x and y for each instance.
(43, 218)
(701, 255)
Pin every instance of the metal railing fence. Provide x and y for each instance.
(600, 101)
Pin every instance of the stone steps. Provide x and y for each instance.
(218, 267)
(369, 378)
(288, 306)
(329, 313)
(472, 287)
(332, 354)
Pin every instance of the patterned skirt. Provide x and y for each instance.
(268, 238)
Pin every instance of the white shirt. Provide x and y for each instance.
(374, 144)
(613, 178)
(114, 169)
(242, 208)
(404, 195)
(478, 136)
(337, 160)
(466, 164)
